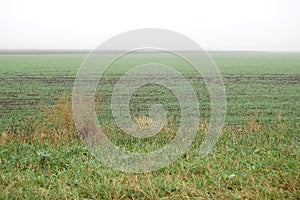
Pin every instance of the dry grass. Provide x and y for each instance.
(142, 121)
(53, 124)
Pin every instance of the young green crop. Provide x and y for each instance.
(257, 156)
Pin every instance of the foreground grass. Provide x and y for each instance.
(261, 165)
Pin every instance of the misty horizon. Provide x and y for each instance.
(215, 25)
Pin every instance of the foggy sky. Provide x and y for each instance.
(271, 25)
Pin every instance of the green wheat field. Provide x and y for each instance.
(256, 157)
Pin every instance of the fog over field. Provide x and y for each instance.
(271, 25)
(149, 114)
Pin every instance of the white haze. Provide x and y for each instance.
(272, 25)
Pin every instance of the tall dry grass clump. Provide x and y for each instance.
(53, 124)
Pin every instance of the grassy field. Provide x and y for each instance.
(257, 156)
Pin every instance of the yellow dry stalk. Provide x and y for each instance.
(142, 121)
